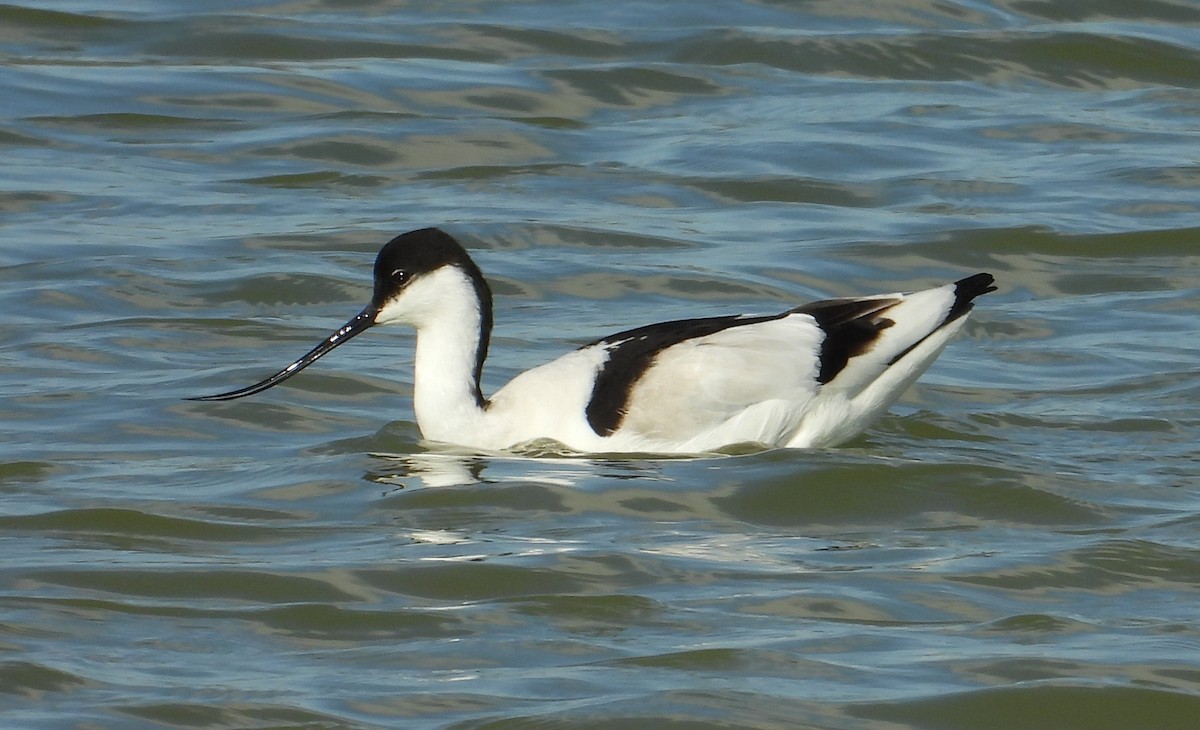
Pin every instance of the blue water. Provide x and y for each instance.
(192, 196)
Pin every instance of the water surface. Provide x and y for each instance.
(193, 195)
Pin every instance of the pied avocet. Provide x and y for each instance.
(811, 376)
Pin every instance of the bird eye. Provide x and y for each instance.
(400, 276)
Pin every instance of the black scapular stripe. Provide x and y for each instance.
(630, 355)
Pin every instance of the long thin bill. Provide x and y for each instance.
(359, 324)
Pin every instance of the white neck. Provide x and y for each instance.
(444, 389)
(445, 309)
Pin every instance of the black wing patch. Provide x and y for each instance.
(630, 355)
(851, 326)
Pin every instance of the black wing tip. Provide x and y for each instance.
(973, 286)
(965, 291)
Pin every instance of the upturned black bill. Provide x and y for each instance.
(361, 323)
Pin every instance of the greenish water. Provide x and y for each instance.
(193, 193)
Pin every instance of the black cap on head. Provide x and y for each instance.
(412, 254)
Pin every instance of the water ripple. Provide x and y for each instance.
(194, 195)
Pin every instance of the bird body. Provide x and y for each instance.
(812, 376)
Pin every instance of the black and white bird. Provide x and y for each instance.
(812, 376)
